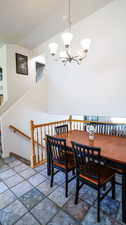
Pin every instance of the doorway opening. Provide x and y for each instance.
(39, 71)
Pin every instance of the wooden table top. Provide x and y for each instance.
(112, 147)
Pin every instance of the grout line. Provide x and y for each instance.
(45, 197)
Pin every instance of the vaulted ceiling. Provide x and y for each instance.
(31, 22)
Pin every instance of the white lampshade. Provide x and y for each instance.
(67, 38)
(53, 48)
(85, 43)
(63, 54)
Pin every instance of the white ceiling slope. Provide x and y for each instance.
(31, 22)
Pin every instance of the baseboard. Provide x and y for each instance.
(22, 159)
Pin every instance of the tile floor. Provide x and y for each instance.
(27, 199)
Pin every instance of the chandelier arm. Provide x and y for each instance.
(63, 59)
(68, 54)
(83, 57)
(76, 61)
(77, 56)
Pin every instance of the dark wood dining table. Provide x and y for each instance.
(113, 149)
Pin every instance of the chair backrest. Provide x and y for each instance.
(61, 129)
(110, 129)
(88, 160)
(56, 148)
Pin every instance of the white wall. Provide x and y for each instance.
(32, 106)
(97, 87)
(3, 65)
(17, 84)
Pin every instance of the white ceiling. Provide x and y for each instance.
(30, 22)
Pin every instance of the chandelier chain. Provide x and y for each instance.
(69, 14)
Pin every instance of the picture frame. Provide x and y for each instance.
(21, 64)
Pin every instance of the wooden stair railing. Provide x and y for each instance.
(15, 130)
(19, 132)
(107, 128)
(22, 159)
(39, 132)
(37, 139)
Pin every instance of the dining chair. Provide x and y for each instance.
(60, 159)
(61, 129)
(109, 129)
(91, 171)
(118, 170)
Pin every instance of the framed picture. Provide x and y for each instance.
(21, 64)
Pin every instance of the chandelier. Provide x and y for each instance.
(66, 56)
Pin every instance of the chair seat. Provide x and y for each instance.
(106, 173)
(61, 163)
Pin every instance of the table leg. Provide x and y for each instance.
(124, 197)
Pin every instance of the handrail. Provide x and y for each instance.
(19, 132)
(75, 120)
(56, 122)
(97, 122)
(49, 123)
(23, 134)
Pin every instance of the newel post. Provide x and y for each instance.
(70, 121)
(33, 156)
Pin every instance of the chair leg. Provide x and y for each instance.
(104, 187)
(73, 171)
(113, 187)
(52, 175)
(98, 209)
(48, 164)
(66, 185)
(77, 190)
